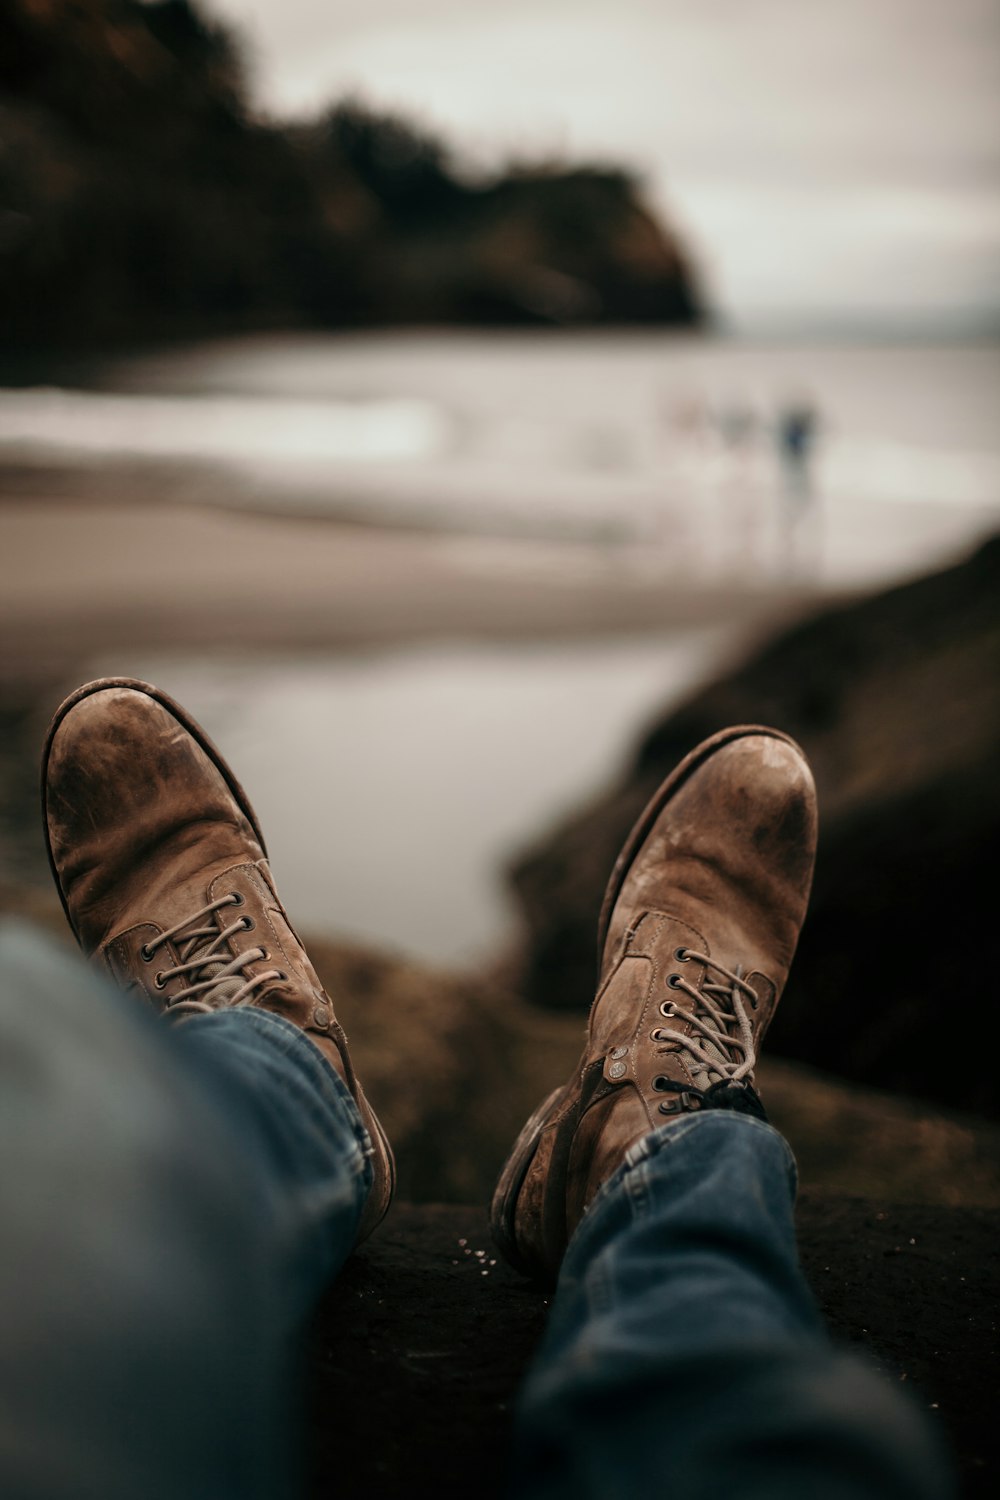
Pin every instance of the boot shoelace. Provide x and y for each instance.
(216, 976)
(720, 1042)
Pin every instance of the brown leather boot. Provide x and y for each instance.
(163, 875)
(700, 921)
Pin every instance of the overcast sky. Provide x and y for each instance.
(827, 159)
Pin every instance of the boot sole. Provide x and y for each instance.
(508, 1188)
(504, 1205)
(379, 1139)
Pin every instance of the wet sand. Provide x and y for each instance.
(80, 578)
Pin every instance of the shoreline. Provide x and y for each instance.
(79, 576)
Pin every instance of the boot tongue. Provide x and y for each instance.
(701, 1077)
(223, 992)
(703, 1074)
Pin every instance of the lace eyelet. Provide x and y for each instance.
(236, 898)
(159, 980)
(661, 1084)
(669, 1107)
(682, 955)
(673, 981)
(264, 956)
(146, 954)
(754, 1002)
(667, 1008)
(282, 975)
(248, 924)
(656, 1035)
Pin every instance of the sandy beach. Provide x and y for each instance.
(79, 579)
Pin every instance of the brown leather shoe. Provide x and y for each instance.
(163, 875)
(700, 920)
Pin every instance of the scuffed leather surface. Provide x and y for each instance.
(144, 828)
(138, 816)
(724, 867)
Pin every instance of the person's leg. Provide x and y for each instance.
(171, 1201)
(176, 1190)
(685, 1354)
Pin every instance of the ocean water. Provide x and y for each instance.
(592, 440)
(394, 786)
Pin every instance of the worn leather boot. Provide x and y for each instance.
(163, 875)
(700, 921)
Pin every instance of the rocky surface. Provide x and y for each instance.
(896, 701)
(417, 1354)
(898, 1227)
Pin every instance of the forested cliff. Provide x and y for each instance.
(141, 196)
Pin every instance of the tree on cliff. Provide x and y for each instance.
(141, 196)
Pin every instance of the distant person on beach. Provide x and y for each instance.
(187, 1157)
(796, 432)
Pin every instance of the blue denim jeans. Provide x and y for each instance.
(685, 1355)
(174, 1199)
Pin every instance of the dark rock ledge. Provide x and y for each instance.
(417, 1354)
(896, 701)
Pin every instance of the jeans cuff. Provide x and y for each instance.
(664, 1137)
(285, 1037)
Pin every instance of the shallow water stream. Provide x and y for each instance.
(393, 786)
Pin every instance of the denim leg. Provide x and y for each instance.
(171, 1200)
(685, 1355)
(296, 1121)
